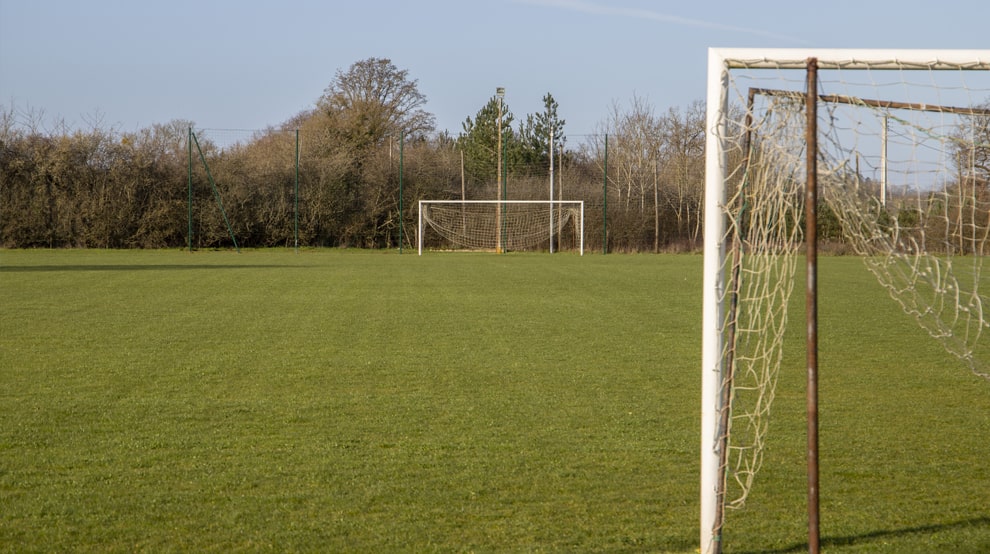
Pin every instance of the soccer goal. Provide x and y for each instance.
(885, 153)
(500, 225)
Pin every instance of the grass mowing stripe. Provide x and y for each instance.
(365, 401)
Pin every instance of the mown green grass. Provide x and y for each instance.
(367, 402)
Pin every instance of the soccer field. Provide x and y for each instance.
(359, 401)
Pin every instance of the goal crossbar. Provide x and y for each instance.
(885, 104)
(847, 58)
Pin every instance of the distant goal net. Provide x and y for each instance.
(501, 225)
(882, 153)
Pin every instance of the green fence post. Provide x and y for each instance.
(216, 193)
(297, 193)
(402, 140)
(189, 167)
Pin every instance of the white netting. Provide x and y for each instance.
(904, 182)
(490, 225)
(924, 232)
(765, 235)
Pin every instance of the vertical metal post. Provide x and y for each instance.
(500, 93)
(811, 242)
(402, 140)
(296, 209)
(581, 230)
(605, 200)
(656, 206)
(560, 193)
(505, 196)
(189, 235)
(883, 162)
(551, 188)
(419, 228)
(713, 363)
(216, 192)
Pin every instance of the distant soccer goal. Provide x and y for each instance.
(501, 225)
(881, 152)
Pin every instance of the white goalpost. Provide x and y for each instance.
(883, 152)
(500, 225)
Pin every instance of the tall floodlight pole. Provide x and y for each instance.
(500, 93)
(551, 189)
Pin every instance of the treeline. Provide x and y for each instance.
(349, 172)
(99, 189)
(94, 189)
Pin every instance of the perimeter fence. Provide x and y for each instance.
(292, 188)
(176, 186)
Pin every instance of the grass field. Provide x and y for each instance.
(353, 401)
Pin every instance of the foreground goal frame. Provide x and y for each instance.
(558, 213)
(715, 398)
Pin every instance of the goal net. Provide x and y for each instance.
(501, 225)
(883, 154)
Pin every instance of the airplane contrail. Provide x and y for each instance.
(600, 9)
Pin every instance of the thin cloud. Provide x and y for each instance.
(600, 9)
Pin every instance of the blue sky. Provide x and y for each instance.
(249, 64)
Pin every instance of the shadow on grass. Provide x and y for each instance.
(882, 534)
(136, 267)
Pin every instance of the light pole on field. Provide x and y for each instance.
(500, 93)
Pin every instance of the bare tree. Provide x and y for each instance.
(633, 133)
(372, 100)
(637, 131)
(682, 154)
(972, 148)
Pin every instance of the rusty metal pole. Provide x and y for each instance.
(811, 243)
